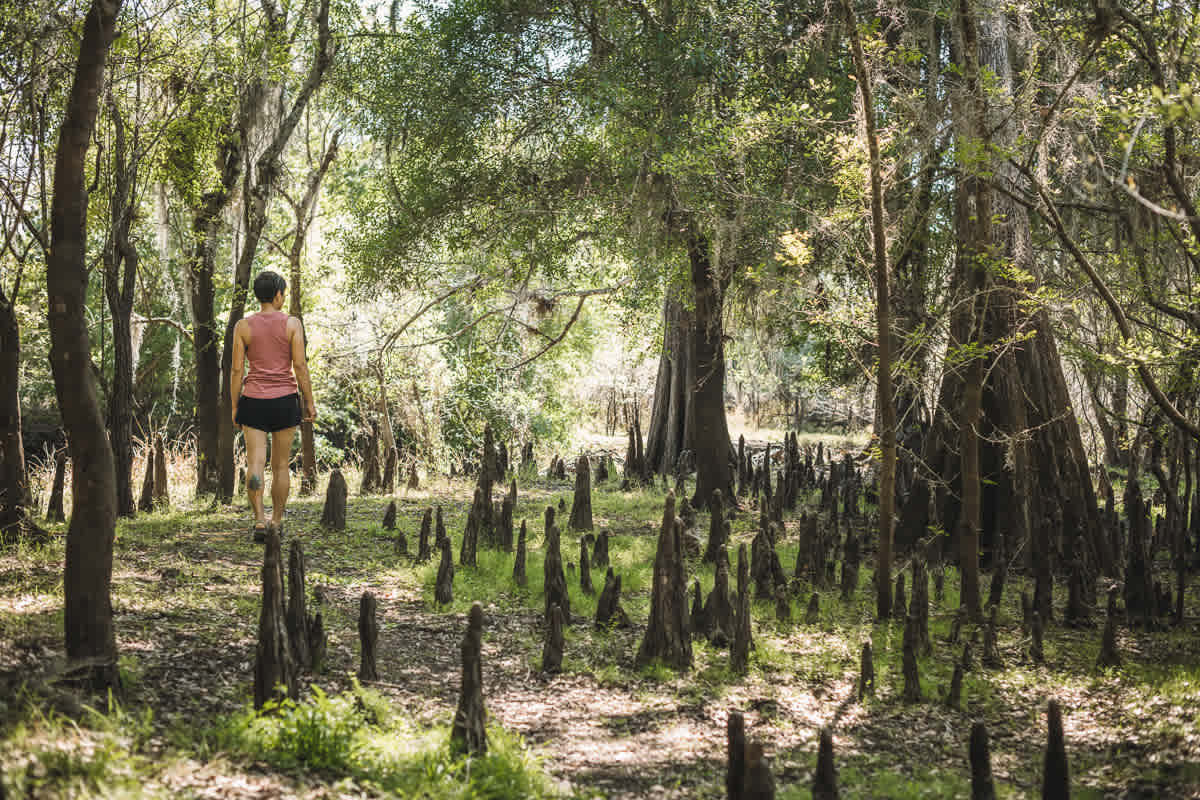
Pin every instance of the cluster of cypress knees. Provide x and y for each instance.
(296, 640)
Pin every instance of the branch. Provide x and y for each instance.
(165, 321)
(1147, 378)
(552, 342)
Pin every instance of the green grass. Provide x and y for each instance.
(357, 735)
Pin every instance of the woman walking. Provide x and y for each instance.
(267, 402)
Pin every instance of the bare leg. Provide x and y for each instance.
(281, 476)
(256, 460)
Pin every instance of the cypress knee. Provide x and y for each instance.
(758, 783)
(469, 734)
(716, 528)
(443, 590)
(1109, 655)
(554, 578)
(297, 608)
(414, 480)
(900, 604)
(981, 764)
(954, 697)
(1056, 779)
(439, 529)
(273, 665)
(389, 517)
(585, 571)
(368, 636)
(912, 681)
(519, 562)
(1036, 653)
(699, 624)
(735, 769)
(333, 516)
(866, 672)
(783, 605)
(581, 505)
(668, 634)
(423, 551)
(608, 608)
(552, 652)
(825, 785)
(739, 653)
(600, 552)
(719, 613)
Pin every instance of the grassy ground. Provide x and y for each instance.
(186, 603)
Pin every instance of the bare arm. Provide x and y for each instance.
(238, 369)
(300, 367)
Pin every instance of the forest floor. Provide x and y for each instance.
(186, 589)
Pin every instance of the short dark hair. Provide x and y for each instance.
(268, 284)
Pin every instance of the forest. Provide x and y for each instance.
(649, 398)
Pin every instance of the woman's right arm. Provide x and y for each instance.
(300, 367)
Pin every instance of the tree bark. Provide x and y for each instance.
(14, 480)
(668, 434)
(88, 619)
(1031, 459)
(120, 265)
(884, 389)
(710, 431)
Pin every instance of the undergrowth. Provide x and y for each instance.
(356, 735)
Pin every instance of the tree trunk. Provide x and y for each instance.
(1031, 459)
(668, 435)
(710, 440)
(120, 265)
(883, 333)
(88, 619)
(975, 237)
(14, 481)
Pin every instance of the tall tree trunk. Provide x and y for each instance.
(88, 619)
(14, 480)
(1032, 464)
(120, 265)
(710, 439)
(975, 233)
(668, 434)
(206, 225)
(887, 410)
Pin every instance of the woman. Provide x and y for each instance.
(267, 402)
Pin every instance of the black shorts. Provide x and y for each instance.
(271, 414)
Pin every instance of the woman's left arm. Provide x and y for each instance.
(238, 368)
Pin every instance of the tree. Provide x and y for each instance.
(648, 134)
(90, 637)
(887, 409)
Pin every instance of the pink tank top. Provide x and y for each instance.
(270, 357)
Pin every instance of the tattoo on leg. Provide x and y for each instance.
(254, 483)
